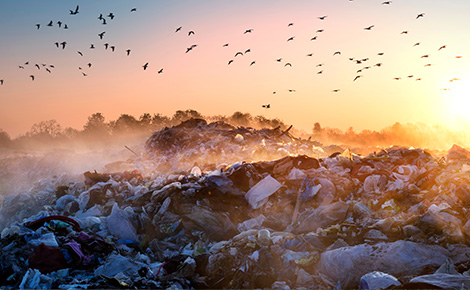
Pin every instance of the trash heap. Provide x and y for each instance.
(397, 218)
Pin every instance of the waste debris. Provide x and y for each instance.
(232, 207)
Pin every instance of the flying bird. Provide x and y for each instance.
(51, 66)
(20, 66)
(238, 53)
(418, 79)
(410, 76)
(133, 9)
(247, 51)
(66, 26)
(38, 25)
(89, 64)
(111, 15)
(50, 23)
(420, 15)
(404, 32)
(442, 47)
(225, 45)
(380, 53)
(428, 64)
(101, 34)
(178, 29)
(397, 79)
(356, 78)
(320, 72)
(290, 38)
(1, 82)
(322, 17)
(386, 2)
(369, 27)
(310, 54)
(160, 71)
(313, 38)
(84, 74)
(92, 46)
(190, 32)
(252, 63)
(266, 106)
(337, 52)
(145, 66)
(230, 61)
(128, 52)
(37, 65)
(454, 79)
(291, 91)
(101, 16)
(248, 31)
(74, 12)
(63, 44)
(425, 56)
(458, 56)
(320, 30)
(59, 23)
(106, 45)
(378, 64)
(320, 64)
(57, 44)
(279, 59)
(104, 21)
(112, 48)
(80, 53)
(290, 24)
(417, 43)
(335, 91)
(288, 64)
(32, 77)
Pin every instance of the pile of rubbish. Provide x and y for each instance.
(397, 218)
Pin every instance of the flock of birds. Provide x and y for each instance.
(110, 17)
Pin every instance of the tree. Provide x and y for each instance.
(181, 116)
(5, 140)
(241, 119)
(45, 129)
(145, 121)
(125, 124)
(96, 124)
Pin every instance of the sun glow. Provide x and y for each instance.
(457, 93)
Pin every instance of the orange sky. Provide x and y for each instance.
(201, 78)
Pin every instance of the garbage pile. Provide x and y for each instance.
(397, 218)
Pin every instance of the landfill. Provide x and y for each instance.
(213, 206)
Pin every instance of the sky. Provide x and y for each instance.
(412, 84)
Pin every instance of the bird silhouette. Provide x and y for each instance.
(310, 54)
(247, 51)
(50, 23)
(133, 9)
(38, 25)
(84, 74)
(380, 53)
(322, 17)
(288, 64)
(410, 76)
(92, 46)
(417, 43)
(104, 21)
(111, 15)
(230, 61)
(335, 91)
(56, 44)
(320, 64)
(66, 26)
(279, 59)
(320, 30)
(454, 79)
(238, 53)
(291, 38)
(404, 32)
(106, 45)
(358, 71)
(442, 47)
(32, 77)
(37, 65)
(80, 53)
(337, 53)
(357, 77)
(178, 29)
(397, 78)
(290, 24)
(20, 66)
(420, 15)
(1, 82)
(145, 66)
(418, 79)
(425, 56)
(266, 106)
(313, 38)
(378, 64)
(189, 49)
(63, 44)
(369, 27)
(112, 48)
(101, 35)
(386, 2)
(291, 91)
(190, 32)
(101, 16)
(252, 63)
(74, 12)
(128, 52)
(26, 63)
(160, 71)
(52, 66)
(59, 23)
(320, 72)
(225, 45)
(458, 56)
(248, 31)
(89, 64)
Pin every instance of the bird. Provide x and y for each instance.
(320, 72)
(386, 2)
(89, 64)
(52, 66)
(92, 46)
(59, 23)
(66, 26)
(404, 32)
(32, 77)
(238, 53)
(266, 106)
(1, 82)
(425, 56)
(50, 23)
(335, 91)
(320, 30)
(358, 71)
(80, 68)
(74, 12)
(291, 91)
(310, 54)
(189, 49)
(397, 78)
(128, 52)
(178, 29)
(458, 56)
(420, 15)
(56, 44)
(252, 63)
(357, 77)
(101, 34)
(145, 66)
(418, 79)
(80, 53)
(112, 48)
(248, 31)
(322, 17)
(247, 51)
(20, 66)
(84, 74)
(26, 63)
(274, 93)
(63, 44)
(290, 38)
(442, 47)
(111, 15)
(288, 64)
(378, 64)
(369, 27)
(104, 21)
(337, 52)
(106, 45)
(230, 61)
(417, 43)
(160, 71)
(37, 65)
(279, 59)
(313, 38)
(320, 64)
(225, 45)
(454, 79)
(101, 16)
(290, 24)
(134, 9)
(380, 53)
(38, 25)
(410, 76)
(190, 32)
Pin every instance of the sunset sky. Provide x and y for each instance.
(201, 79)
